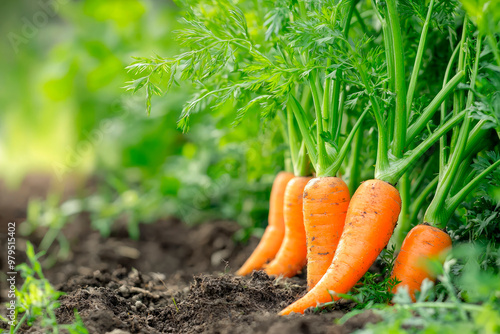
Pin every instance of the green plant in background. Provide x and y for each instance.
(82, 120)
(72, 65)
(217, 174)
(36, 300)
(51, 215)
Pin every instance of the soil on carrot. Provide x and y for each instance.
(175, 279)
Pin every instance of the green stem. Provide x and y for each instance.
(322, 161)
(475, 144)
(404, 217)
(459, 96)
(476, 140)
(303, 161)
(305, 97)
(283, 125)
(476, 136)
(391, 71)
(293, 141)
(494, 47)
(469, 177)
(377, 11)
(327, 113)
(339, 85)
(454, 201)
(302, 9)
(19, 323)
(389, 58)
(475, 69)
(429, 111)
(304, 126)
(443, 156)
(419, 201)
(399, 167)
(418, 59)
(284, 132)
(341, 112)
(333, 169)
(435, 211)
(348, 18)
(399, 140)
(334, 123)
(382, 147)
(389, 54)
(422, 175)
(360, 21)
(319, 88)
(339, 88)
(465, 173)
(354, 163)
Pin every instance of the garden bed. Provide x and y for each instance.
(177, 279)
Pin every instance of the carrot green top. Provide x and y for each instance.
(295, 57)
(456, 178)
(328, 96)
(395, 134)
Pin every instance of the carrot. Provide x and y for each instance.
(273, 235)
(325, 206)
(292, 255)
(423, 243)
(370, 221)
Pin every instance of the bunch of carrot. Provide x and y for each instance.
(334, 83)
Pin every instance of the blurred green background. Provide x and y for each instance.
(66, 114)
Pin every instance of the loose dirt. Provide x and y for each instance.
(174, 279)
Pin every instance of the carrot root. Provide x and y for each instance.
(423, 243)
(370, 221)
(273, 235)
(326, 200)
(292, 255)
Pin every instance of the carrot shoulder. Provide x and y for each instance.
(326, 200)
(423, 243)
(370, 221)
(273, 235)
(291, 257)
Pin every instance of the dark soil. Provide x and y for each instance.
(174, 279)
(217, 303)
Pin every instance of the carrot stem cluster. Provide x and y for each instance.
(340, 85)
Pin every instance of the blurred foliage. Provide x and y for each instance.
(66, 113)
(63, 69)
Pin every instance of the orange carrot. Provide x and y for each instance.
(325, 206)
(292, 255)
(423, 243)
(370, 221)
(273, 235)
